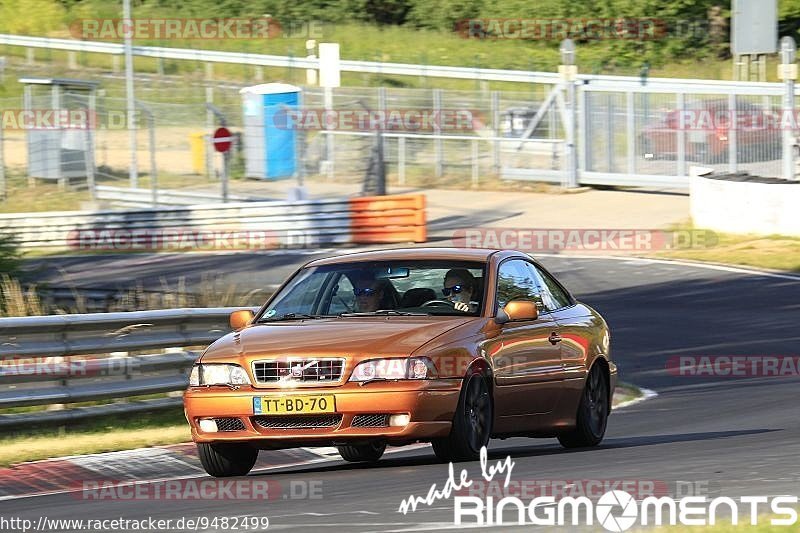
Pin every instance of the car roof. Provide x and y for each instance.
(433, 253)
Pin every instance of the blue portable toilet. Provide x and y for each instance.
(270, 145)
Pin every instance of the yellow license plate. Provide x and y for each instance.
(292, 405)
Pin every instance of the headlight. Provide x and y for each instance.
(218, 374)
(395, 368)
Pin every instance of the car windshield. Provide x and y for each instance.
(452, 288)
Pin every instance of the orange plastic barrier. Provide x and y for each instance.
(388, 219)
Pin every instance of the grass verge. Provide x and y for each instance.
(105, 434)
(774, 252)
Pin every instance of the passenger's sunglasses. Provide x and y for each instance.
(364, 292)
(455, 289)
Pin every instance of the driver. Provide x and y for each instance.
(458, 288)
(369, 293)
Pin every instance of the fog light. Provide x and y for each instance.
(399, 420)
(208, 426)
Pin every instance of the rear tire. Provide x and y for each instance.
(472, 423)
(362, 453)
(227, 459)
(592, 416)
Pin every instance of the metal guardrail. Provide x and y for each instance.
(130, 197)
(403, 69)
(53, 360)
(252, 225)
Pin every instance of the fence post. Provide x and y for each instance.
(496, 132)
(151, 123)
(3, 185)
(681, 134)
(475, 169)
(610, 107)
(788, 73)
(437, 141)
(630, 128)
(583, 129)
(401, 160)
(733, 156)
(91, 123)
(209, 129)
(329, 157)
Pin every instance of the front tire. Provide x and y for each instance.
(472, 424)
(592, 416)
(227, 459)
(362, 453)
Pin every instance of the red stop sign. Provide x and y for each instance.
(222, 140)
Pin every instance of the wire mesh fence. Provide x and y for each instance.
(507, 136)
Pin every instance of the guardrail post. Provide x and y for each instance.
(30, 58)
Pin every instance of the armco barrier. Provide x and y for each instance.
(367, 220)
(48, 360)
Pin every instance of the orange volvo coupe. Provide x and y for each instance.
(445, 345)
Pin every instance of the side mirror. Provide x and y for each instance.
(240, 319)
(518, 310)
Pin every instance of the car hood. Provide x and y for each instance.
(353, 337)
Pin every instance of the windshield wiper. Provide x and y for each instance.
(292, 316)
(389, 312)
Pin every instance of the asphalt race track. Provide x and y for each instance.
(724, 435)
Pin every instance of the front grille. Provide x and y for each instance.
(298, 370)
(298, 421)
(229, 424)
(370, 421)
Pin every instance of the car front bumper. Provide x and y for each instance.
(429, 403)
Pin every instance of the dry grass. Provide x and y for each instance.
(773, 252)
(19, 301)
(20, 449)
(212, 291)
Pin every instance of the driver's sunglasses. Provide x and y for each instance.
(455, 289)
(366, 291)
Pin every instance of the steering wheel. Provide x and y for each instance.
(437, 303)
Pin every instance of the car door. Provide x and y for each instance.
(527, 363)
(574, 324)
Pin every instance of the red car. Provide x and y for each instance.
(706, 125)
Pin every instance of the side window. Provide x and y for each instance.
(302, 296)
(343, 300)
(515, 281)
(551, 291)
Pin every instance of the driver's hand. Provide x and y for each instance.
(461, 306)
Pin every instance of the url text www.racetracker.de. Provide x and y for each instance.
(195, 523)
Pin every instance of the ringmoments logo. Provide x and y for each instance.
(615, 510)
